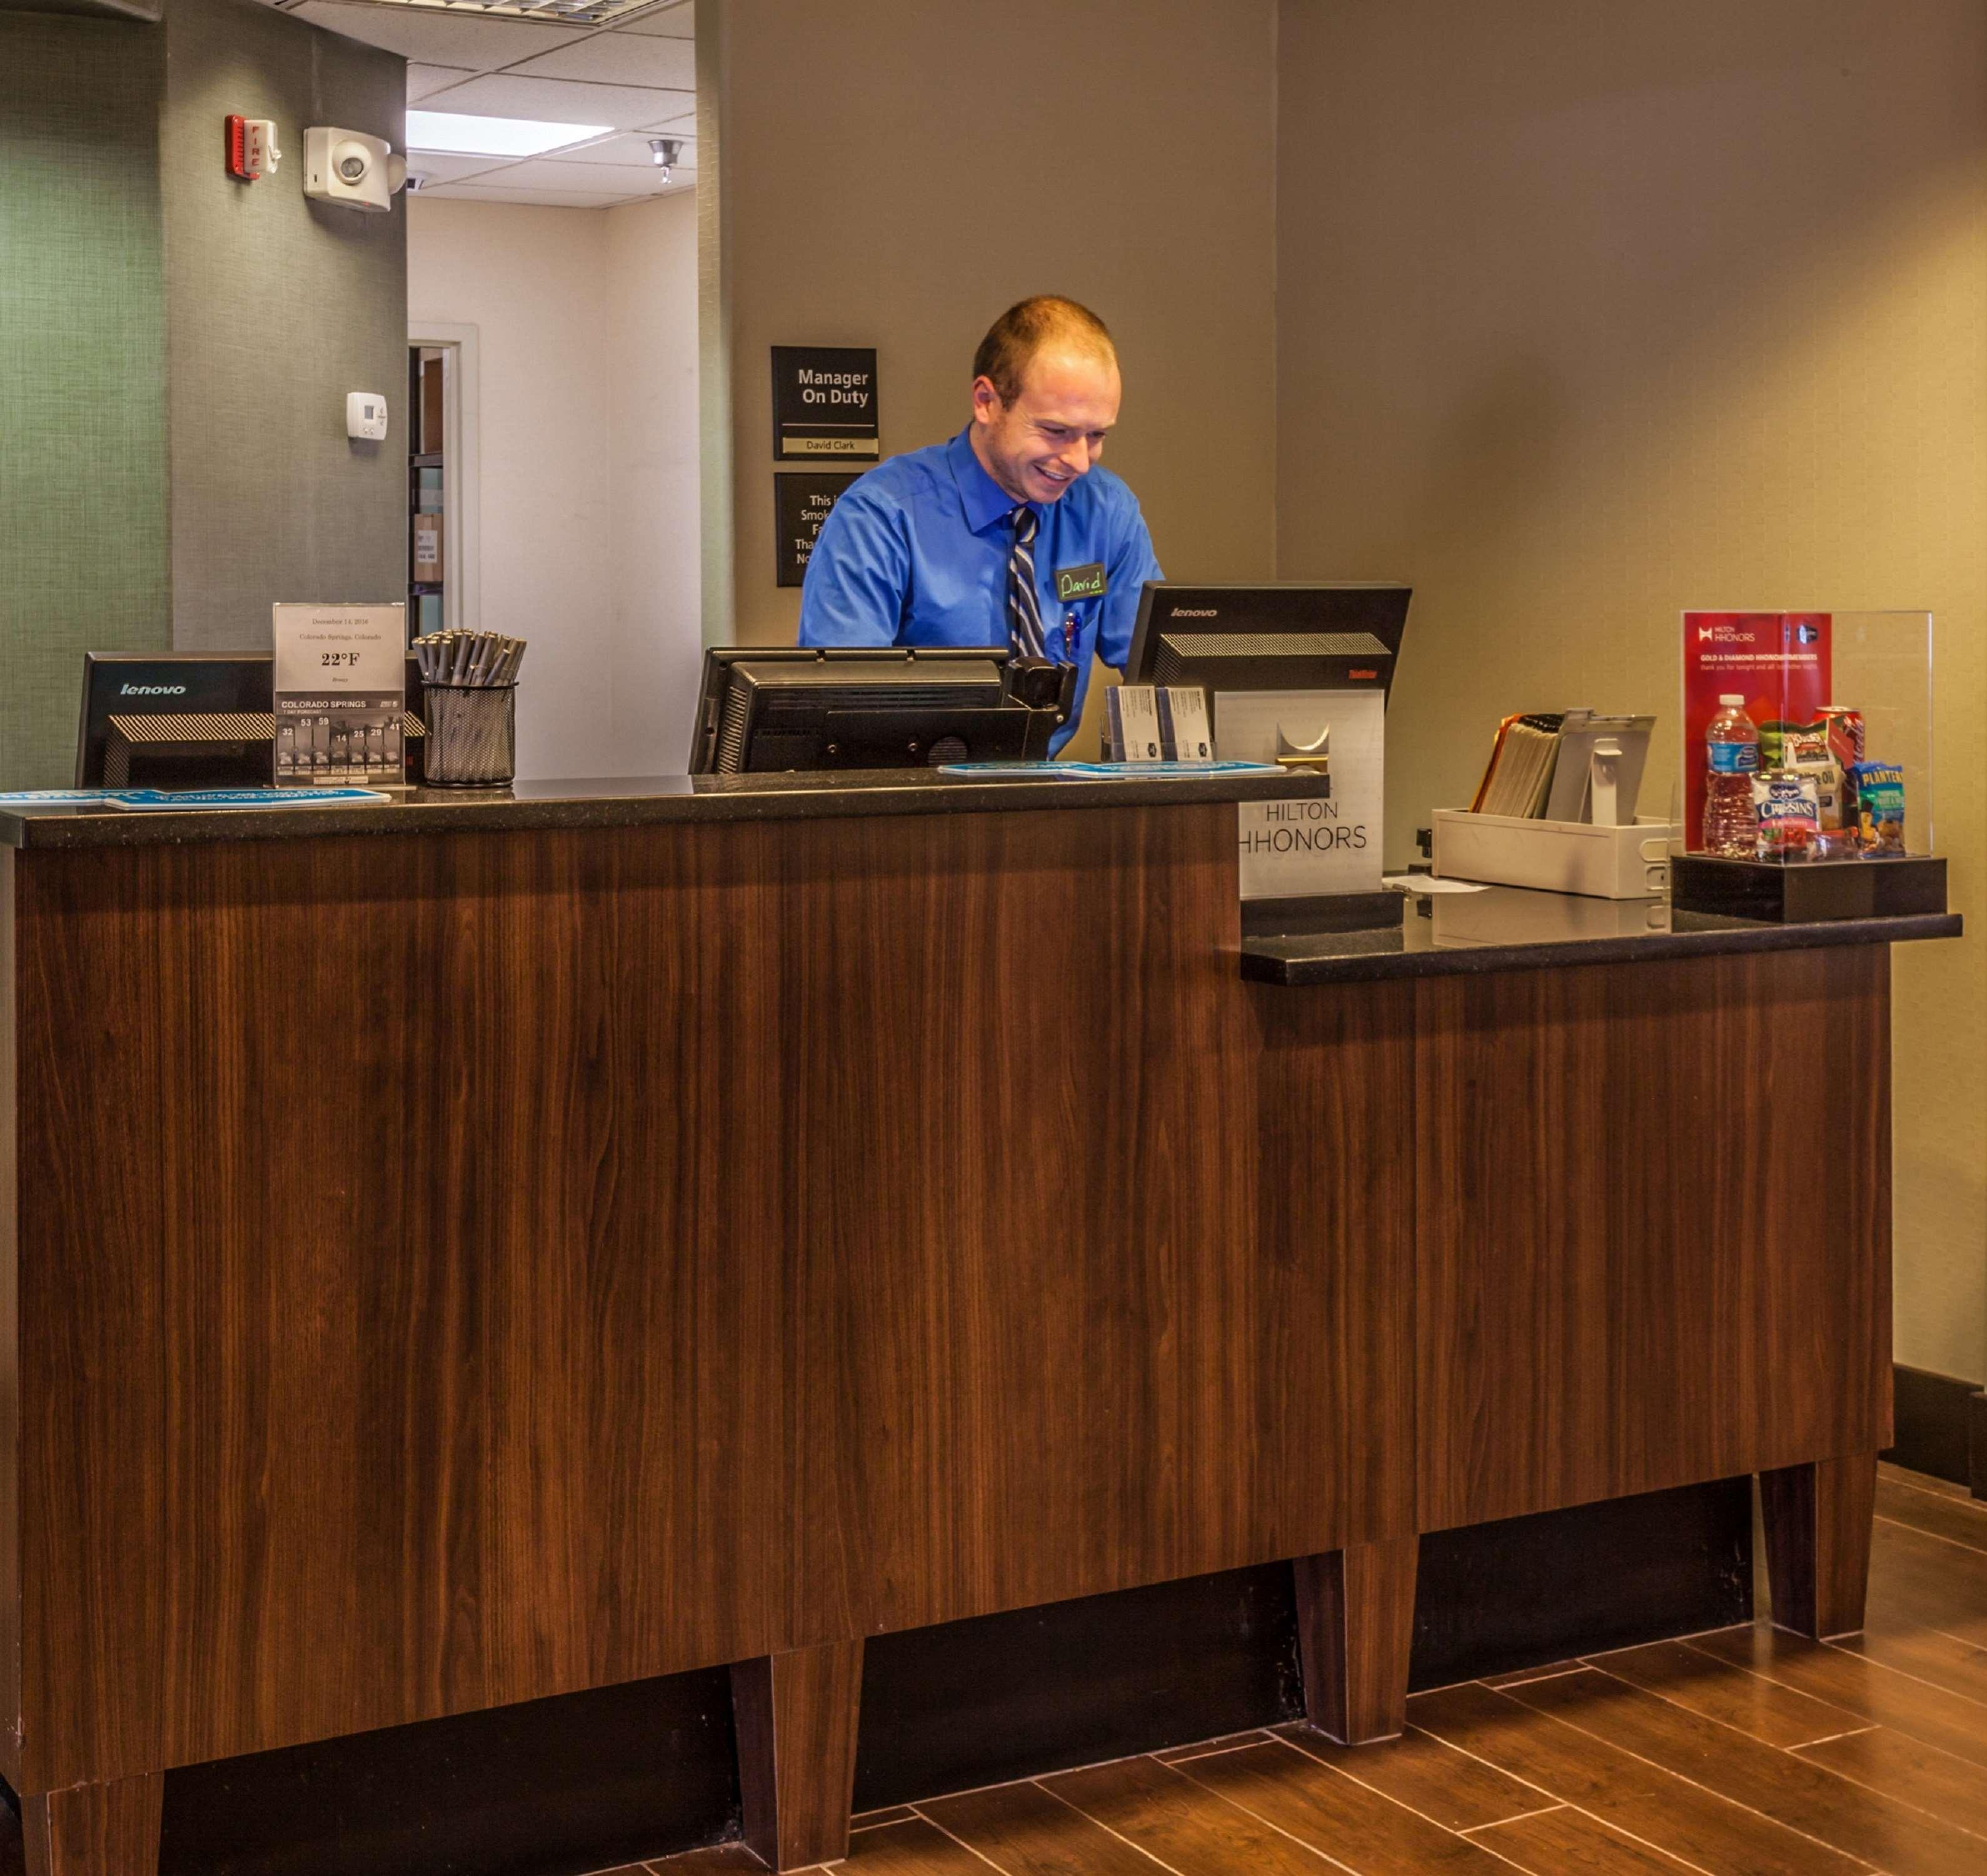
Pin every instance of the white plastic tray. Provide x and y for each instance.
(1555, 856)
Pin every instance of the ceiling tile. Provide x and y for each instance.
(541, 198)
(603, 178)
(683, 185)
(424, 80)
(675, 22)
(438, 166)
(567, 101)
(627, 152)
(620, 59)
(479, 41)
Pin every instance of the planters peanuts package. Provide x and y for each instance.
(1880, 806)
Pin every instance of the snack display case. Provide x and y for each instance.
(1805, 779)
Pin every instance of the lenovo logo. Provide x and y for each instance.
(152, 690)
(1192, 612)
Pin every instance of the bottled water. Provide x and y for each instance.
(1731, 749)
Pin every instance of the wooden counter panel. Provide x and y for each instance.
(704, 1244)
(711, 1243)
(1616, 1293)
(1048, 1349)
(1334, 1272)
(381, 1369)
(10, 1343)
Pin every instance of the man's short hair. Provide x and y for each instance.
(1025, 328)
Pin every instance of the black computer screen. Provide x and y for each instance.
(180, 720)
(1286, 636)
(769, 709)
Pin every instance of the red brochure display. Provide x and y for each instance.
(1779, 662)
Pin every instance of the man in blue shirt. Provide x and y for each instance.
(1009, 535)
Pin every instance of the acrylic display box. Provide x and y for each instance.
(1841, 800)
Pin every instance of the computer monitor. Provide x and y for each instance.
(767, 708)
(1288, 636)
(187, 719)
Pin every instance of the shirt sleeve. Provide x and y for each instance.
(857, 576)
(1129, 567)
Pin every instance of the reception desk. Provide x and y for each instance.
(481, 1248)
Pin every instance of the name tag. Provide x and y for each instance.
(1081, 583)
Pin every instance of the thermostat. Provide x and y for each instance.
(365, 416)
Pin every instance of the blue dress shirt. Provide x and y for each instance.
(915, 553)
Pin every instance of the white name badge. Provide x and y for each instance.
(340, 692)
(1293, 848)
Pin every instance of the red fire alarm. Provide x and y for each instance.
(252, 148)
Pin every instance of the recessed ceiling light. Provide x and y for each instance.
(447, 131)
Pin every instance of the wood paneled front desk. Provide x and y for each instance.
(486, 1247)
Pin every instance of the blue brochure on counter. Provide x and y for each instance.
(141, 801)
(154, 800)
(1100, 771)
(54, 798)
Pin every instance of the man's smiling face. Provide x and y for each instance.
(1037, 447)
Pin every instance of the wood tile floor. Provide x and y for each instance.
(1741, 1753)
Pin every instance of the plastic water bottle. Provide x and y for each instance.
(1731, 749)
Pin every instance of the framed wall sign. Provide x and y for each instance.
(800, 504)
(824, 403)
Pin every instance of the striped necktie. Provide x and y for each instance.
(1025, 610)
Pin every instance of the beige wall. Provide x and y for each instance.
(657, 649)
(1590, 313)
(894, 172)
(587, 505)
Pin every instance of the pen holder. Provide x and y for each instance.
(472, 738)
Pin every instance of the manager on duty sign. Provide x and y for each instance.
(824, 403)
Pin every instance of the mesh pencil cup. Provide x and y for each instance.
(472, 738)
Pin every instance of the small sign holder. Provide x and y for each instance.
(340, 690)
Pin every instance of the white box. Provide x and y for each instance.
(1553, 856)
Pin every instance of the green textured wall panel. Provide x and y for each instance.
(84, 552)
(278, 306)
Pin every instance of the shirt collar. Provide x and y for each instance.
(986, 502)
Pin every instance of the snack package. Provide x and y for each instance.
(1788, 806)
(1845, 750)
(1831, 792)
(1845, 734)
(1792, 745)
(1880, 808)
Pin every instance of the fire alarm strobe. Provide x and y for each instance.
(252, 148)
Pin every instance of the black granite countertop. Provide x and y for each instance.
(633, 802)
(1511, 928)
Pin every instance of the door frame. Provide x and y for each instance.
(462, 557)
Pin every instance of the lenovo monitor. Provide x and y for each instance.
(186, 719)
(1287, 636)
